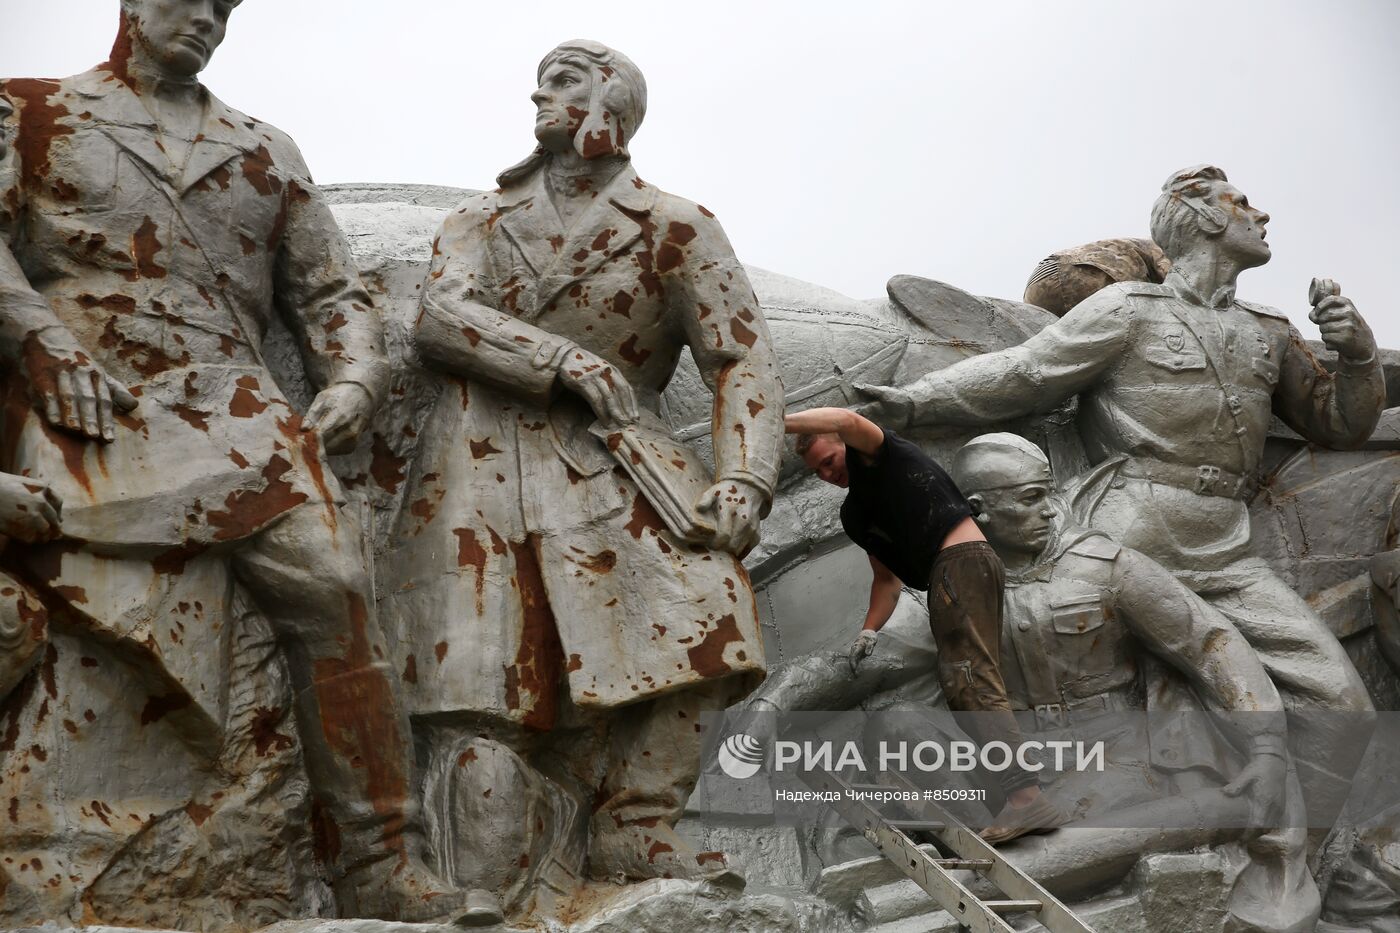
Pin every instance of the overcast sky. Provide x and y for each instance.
(845, 142)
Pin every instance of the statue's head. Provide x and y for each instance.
(590, 97)
(1008, 483)
(176, 37)
(1199, 208)
(825, 455)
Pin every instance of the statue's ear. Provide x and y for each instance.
(1213, 219)
(979, 514)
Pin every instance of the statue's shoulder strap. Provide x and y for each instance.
(1096, 545)
(1261, 310)
(1148, 290)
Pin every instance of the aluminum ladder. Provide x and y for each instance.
(932, 873)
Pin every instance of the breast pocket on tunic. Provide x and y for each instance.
(1078, 614)
(1174, 350)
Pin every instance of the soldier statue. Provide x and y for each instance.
(162, 228)
(1178, 382)
(537, 581)
(1085, 620)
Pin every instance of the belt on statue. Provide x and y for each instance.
(1204, 479)
(1079, 710)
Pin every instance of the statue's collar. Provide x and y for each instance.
(1223, 298)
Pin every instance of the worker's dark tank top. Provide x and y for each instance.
(900, 508)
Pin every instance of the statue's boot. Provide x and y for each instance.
(649, 848)
(355, 743)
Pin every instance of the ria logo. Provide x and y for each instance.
(741, 756)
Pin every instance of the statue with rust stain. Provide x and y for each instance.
(1177, 385)
(29, 510)
(162, 228)
(541, 593)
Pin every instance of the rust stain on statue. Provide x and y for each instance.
(246, 511)
(243, 403)
(539, 658)
(357, 703)
(631, 354)
(38, 124)
(144, 248)
(470, 553)
(266, 738)
(483, 448)
(157, 708)
(198, 812)
(602, 562)
(410, 670)
(255, 169)
(707, 658)
(644, 517)
(387, 467)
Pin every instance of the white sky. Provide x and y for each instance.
(845, 142)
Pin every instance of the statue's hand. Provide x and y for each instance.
(29, 509)
(737, 509)
(1343, 328)
(340, 414)
(888, 406)
(605, 389)
(1263, 780)
(73, 392)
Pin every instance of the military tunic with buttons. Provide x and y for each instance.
(1077, 624)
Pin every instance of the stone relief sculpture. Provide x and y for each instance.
(146, 594)
(554, 629)
(161, 227)
(1172, 480)
(1086, 619)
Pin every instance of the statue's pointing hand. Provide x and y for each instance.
(889, 406)
(339, 415)
(73, 392)
(1341, 325)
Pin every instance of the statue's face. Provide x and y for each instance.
(561, 103)
(827, 457)
(1243, 239)
(1016, 520)
(6, 111)
(179, 36)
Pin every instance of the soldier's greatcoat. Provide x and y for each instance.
(524, 547)
(167, 276)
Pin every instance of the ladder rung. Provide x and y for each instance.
(964, 864)
(916, 825)
(1011, 907)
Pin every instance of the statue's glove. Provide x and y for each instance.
(862, 648)
(339, 414)
(72, 391)
(888, 406)
(736, 507)
(605, 389)
(1343, 329)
